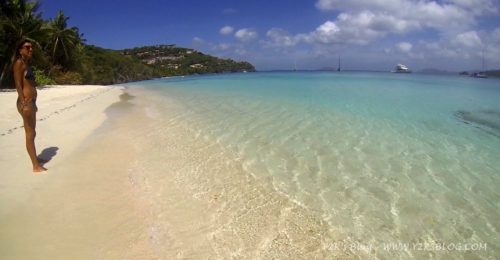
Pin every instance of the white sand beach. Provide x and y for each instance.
(118, 189)
(68, 211)
(67, 114)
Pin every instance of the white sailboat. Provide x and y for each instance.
(480, 74)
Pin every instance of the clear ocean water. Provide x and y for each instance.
(383, 158)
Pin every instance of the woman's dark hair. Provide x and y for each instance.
(20, 45)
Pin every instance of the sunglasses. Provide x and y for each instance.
(28, 47)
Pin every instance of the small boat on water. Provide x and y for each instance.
(400, 68)
(479, 75)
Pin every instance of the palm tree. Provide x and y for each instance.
(62, 40)
(18, 20)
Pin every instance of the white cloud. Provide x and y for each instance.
(361, 28)
(280, 38)
(408, 14)
(492, 49)
(241, 52)
(360, 5)
(197, 40)
(246, 34)
(364, 21)
(495, 36)
(466, 47)
(468, 39)
(437, 49)
(226, 30)
(477, 7)
(404, 46)
(452, 36)
(326, 33)
(222, 47)
(328, 28)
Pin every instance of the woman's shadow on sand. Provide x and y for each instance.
(47, 154)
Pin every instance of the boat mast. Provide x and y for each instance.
(482, 54)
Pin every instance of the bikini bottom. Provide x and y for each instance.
(31, 102)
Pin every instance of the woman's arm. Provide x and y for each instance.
(18, 79)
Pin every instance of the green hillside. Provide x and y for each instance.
(169, 60)
(493, 73)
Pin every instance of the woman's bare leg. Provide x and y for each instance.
(29, 118)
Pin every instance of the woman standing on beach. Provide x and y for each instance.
(24, 80)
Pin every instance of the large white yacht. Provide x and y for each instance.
(400, 68)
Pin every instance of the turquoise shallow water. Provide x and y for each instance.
(384, 158)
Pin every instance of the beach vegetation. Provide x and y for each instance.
(18, 19)
(62, 57)
(103, 66)
(42, 79)
(62, 41)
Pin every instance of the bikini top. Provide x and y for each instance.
(29, 74)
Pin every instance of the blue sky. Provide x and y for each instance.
(276, 34)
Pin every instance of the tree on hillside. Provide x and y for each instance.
(18, 19)
(62, 41)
